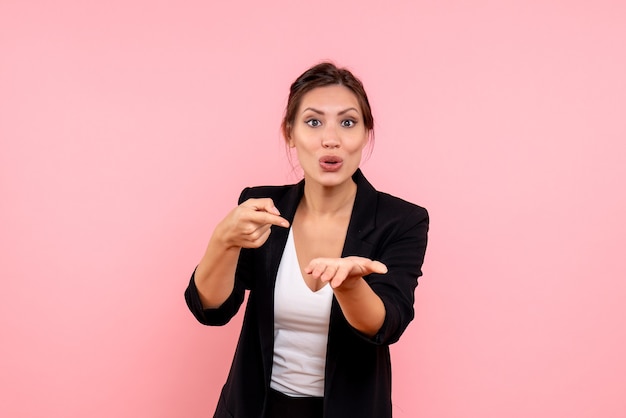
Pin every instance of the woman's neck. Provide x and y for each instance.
(321, 200)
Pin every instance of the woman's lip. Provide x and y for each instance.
(330, 159)
(330, 163)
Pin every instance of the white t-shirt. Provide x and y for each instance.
(301, 319)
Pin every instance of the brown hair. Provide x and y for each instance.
(321, 75)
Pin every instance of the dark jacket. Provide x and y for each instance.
(358, 369)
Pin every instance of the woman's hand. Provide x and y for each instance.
(362, 308)
(246, 226)
(249, 224)
(343, 271)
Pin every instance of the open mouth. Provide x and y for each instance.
(331, 162)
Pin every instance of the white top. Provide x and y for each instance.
(301, 319)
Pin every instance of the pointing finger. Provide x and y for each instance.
(268, 218)
(262, 205)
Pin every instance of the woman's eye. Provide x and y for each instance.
(313, 123)
(348, 123)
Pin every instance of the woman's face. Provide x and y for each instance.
(329, 135)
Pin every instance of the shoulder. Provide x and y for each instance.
(382, 211)
(392, 205)
(368, 197)
(273, 192)
(396, 217)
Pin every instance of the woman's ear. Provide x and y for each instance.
(290, 142)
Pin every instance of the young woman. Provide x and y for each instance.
(331, 265)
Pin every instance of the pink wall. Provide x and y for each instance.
(128, 129)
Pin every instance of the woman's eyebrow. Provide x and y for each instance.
(312, 109)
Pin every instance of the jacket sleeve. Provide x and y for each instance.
(224, 313)
(402, 250)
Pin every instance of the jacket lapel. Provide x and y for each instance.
(362, 223)
(363, 218)
(287, 206)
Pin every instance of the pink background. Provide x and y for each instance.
(128, 129)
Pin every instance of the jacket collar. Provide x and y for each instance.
(362, 220)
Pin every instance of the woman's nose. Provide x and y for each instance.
(330, 138)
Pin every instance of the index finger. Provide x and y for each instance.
(262, 204)
(269, 218)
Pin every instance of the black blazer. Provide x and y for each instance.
(358, 369)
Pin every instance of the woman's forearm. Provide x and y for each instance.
(362, 308)
(215, 274)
